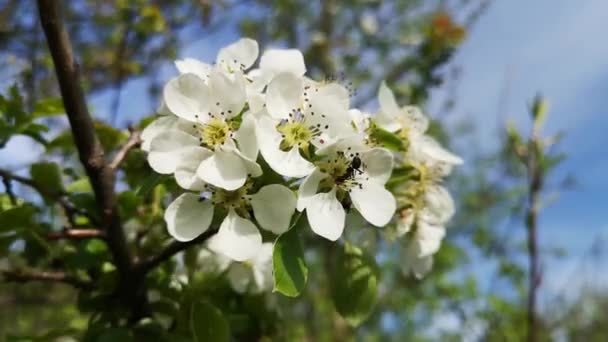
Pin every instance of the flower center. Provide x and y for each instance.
(239, 200)
(214, 133)
(342, 170)
(295, 131)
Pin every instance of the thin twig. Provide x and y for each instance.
(173, 248)
(535, 178)
(133, 141)
(24, 276)
(76, 234)
(8, 187)
(60, 197)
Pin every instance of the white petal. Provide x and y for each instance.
(329, 103)
(252, 167)
(439, 205)
(288, 164)
(209, 262)
(247, 138)
(389, 110)
(308, 188)
(378, 164)
(428, 238)
(262, 268)
(241, 53)
(193, 66)
(405, 221)
(414, 119)
(256, 101)
(228, 95)
(237, 238)
(283, 95)
(187, 96)
(412, 263)
(187, 217)
(359, 119)
(157, 126)
(283, 60)
(223, 169)
(185, 172)
(167, 149)
(424, 147)
(326, 215)
(239, 275)
(376, 204)
(273, 207)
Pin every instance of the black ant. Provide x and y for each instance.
(353, 168)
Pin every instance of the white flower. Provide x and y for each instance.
(238, 238)
(236, 57)
(344, 178)
(274, 62)
(412, 124)
(213, 147)
(428, 225)
(253, 275)
(301, 114)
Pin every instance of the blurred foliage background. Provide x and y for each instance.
(408, 43)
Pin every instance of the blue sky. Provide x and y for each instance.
(518, 48)
(558, 48)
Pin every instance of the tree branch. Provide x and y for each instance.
(173, 248)
(23, 276)
(91, 152)
(76, 234)
(60, 197)
(133, 141)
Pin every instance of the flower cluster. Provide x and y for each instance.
(250, 146)
(425, 206)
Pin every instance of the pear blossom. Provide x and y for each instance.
(337, 183)
(238, 238)
(236, 57)
(249, 276)
(220, 150)
(426, 228)
(301, 114)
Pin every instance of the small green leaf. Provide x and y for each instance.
(115, 335)
(47, 175)
(80, 185)
(18, 217)
(354, 284)
(289, 267)
(150, 182)
(387, 139)
(48, 107)
(207, 323)
(109, 137)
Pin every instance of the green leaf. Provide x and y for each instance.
(48, 107)
(115, 335)
(207, 323)
(354, 284)
(80, 185)
(150, 182)
(387, 139)
(47, 175)
(18, 217)
(289, 267)
(109, 137)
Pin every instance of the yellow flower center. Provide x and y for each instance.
(239, 200)
(214, 133)
(295, 133)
